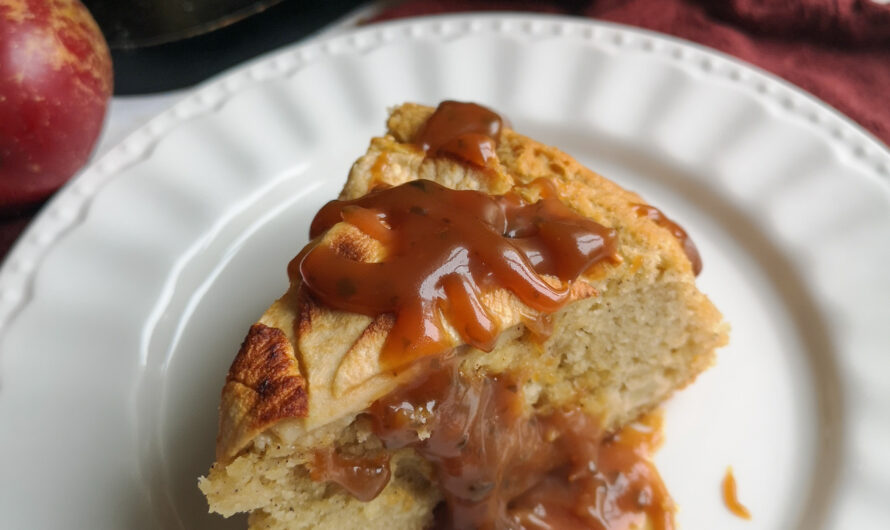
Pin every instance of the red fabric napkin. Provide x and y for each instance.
(839, 50)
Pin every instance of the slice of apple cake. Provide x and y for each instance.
(467, 342)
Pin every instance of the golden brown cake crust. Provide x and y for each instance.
(263, 386)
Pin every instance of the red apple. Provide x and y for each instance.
(55, 83)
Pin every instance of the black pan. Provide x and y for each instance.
(161, 45)
(136, 23)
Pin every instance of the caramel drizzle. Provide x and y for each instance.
(689, 248)
(466, 131)
(497, 466)
(730, 496)
(444, 249)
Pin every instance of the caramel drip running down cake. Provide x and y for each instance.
(476, 336)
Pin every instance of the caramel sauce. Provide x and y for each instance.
(499, 466)
(465, 131)
(605, 483)
(378, 168)
(444, 249)
(653, 213)
(730, 497)
(363, 477)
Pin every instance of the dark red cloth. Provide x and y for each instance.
(838, 50)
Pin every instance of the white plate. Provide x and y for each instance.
(124, 304)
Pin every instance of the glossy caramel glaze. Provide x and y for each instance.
(466, 131)
(363, 477)
(689, 248)
(730, 496)
(498, 466)
(444, 249)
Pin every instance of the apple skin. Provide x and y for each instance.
(55, 83)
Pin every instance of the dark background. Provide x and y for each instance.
(160, 45)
